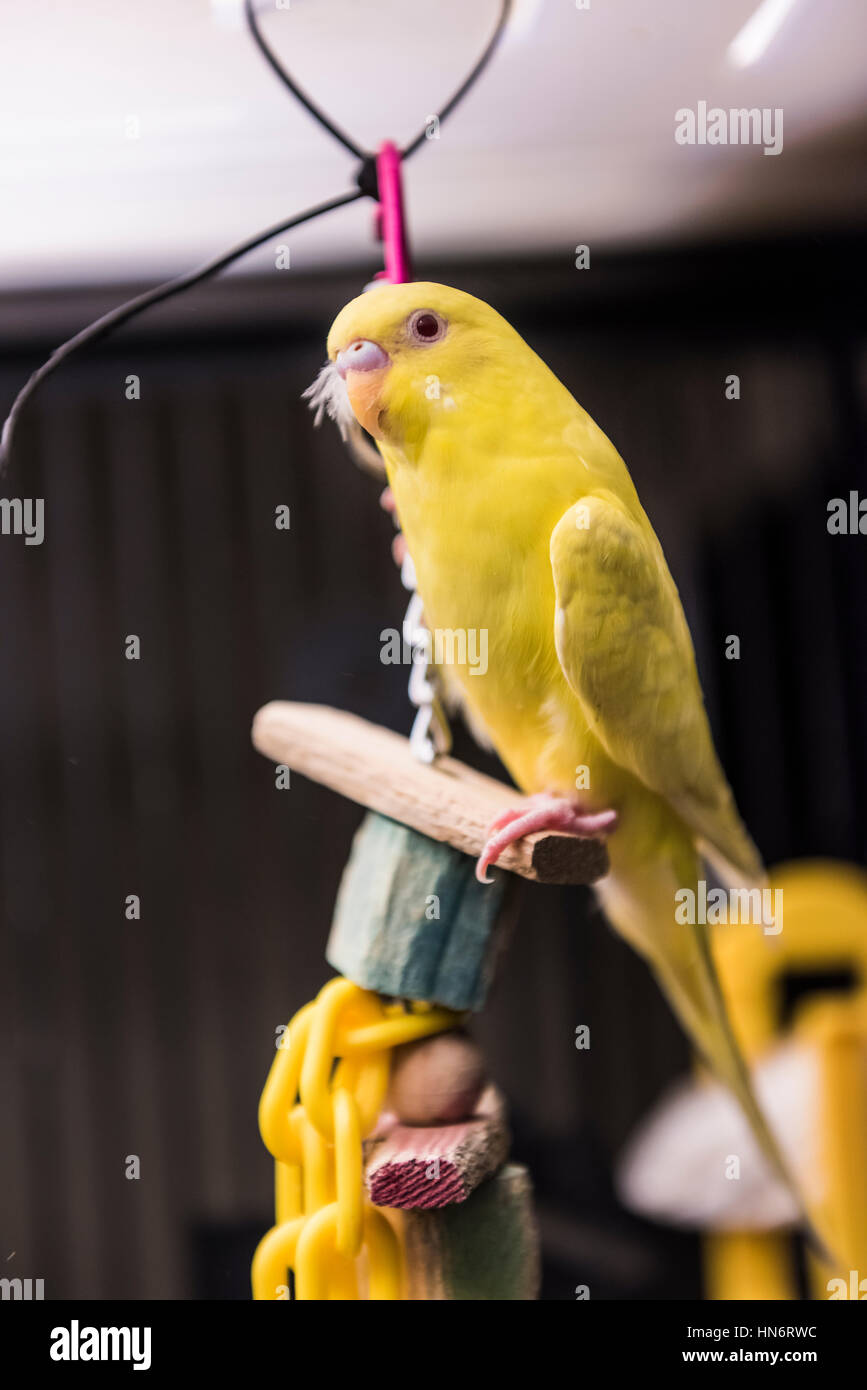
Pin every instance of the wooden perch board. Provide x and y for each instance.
(447, 801)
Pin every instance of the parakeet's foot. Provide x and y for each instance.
(545, 812)
(398, 545)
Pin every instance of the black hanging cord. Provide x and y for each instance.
(469, 80)
(271, 58)
(124, 312)
(366, 180)
(326, 122)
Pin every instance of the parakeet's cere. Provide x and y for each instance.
(523, 522)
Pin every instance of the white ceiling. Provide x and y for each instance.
(569, 136)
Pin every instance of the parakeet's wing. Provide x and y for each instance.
(626, 651)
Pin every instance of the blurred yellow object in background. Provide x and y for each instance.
(820, 961)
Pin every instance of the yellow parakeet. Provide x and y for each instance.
(523, 522)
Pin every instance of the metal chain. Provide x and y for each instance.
(430, 734)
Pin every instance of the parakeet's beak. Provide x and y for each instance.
(362, 356)
(363, 365)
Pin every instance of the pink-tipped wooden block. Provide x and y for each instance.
(421, 1167)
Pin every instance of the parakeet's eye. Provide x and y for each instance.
(426, 326)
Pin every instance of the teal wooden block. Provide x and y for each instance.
(412, 921)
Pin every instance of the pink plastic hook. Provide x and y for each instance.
(391, 217)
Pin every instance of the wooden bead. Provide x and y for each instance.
(436, 1080)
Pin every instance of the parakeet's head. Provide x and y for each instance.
(401, 355)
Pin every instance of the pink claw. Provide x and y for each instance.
(545, 813)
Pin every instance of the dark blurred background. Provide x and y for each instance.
(117, 777)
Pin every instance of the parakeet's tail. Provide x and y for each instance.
(639, 899)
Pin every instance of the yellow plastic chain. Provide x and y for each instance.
(324, 1093)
